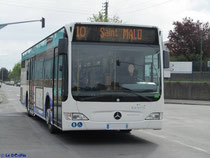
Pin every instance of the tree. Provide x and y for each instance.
(15, 73)
(185, 40)
(5, 72)
(100, 17)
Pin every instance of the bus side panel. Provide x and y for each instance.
(24, 82)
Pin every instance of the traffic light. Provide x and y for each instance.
(43, 22)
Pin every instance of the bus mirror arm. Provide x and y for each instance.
(65, 78)
(63, 46)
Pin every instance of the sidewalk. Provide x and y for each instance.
(189, 102)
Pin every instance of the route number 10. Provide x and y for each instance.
(81, 31)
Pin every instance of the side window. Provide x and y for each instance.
(27, 75)
(23, 64)
(156, 66)
(148, 68)
(28, 69)
(152, 67)
(39, 69)
(48, 67)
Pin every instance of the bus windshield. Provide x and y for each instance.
(111, 72)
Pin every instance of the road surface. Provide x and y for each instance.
(185, 134)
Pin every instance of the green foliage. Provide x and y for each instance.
(98, 18)
(15, 73)
(115, 19)
(5, 72)
(177, 58)
(191, 57)
(185, 40)
(102, 18)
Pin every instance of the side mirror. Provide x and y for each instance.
(166, 59)
(63, 46)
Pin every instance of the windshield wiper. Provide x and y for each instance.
(92, 98)
(137, 94)
(112, 97)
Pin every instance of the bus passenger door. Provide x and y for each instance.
(31, 100)
(57, 88)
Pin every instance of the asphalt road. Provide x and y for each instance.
(185, 135)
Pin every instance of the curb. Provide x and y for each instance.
(187, 103)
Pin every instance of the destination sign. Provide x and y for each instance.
(117, 34)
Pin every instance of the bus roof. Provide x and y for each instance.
(29, 53)
(107, 23)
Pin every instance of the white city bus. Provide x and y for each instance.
(96, 76)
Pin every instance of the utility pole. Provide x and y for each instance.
(105, 9)
(201, 51)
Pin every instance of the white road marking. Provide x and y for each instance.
(161, 136)
(177, 141)
(190, 146)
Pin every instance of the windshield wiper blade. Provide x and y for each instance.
(137, 94)
(113, 96)
(90, 98)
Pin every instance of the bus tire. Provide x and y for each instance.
(28, 112)
(27, 107)
(51, 128)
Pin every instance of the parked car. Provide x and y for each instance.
(12, 83)
(18, 84)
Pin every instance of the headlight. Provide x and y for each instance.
(74, 116)
(155, 116)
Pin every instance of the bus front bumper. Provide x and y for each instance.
(90, 125)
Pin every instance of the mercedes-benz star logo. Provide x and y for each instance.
(117, 115)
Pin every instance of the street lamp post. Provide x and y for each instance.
(201, 52)
(42, 21)
(20, 22)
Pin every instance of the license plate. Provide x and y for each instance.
(117, 126)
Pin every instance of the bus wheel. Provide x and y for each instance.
(29, 114)
(27, 107)
(51, 128)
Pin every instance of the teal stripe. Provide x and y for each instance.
(42, 46)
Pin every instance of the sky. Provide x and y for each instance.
(14, 39)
